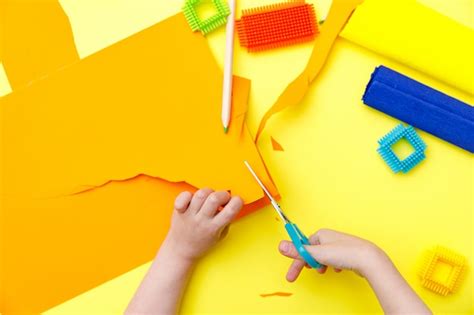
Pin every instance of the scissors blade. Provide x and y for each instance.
(267, 193)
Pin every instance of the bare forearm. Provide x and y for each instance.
(161, 290)
(392, 291)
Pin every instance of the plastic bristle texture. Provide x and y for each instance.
(210, 24)
(277, 25)
(393, 161)
(449, 282)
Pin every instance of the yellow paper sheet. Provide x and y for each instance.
(35, 39)
(338, 15)
(418, 37)
(147, 105)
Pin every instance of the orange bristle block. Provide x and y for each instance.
(277, 25)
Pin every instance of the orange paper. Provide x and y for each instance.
(338, 15)
(275, 145)
(285, 294)
(141, 106)
(78, 242)
(35, 39)
(146, 105)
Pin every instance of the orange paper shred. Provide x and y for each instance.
(275, 145)
(339, 14)
(286, 294)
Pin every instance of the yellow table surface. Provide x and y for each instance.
(329, 175)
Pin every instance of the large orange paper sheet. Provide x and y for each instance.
(57, 248)
(147, 105)
(337, 17)
(35, 39)
(128, 110)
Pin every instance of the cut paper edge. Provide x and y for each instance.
(32, 48)
(238, 121)
(43, 186)
(275, 145)
(338, 16)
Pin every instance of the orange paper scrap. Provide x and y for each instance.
(141, 106)
(275, 145)
(35, 39)
(338, 15)
(276, 294)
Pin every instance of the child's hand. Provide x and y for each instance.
(339, 250)
(197, 225)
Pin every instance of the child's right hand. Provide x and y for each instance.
(336, 249)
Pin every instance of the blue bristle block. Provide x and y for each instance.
(386, 152)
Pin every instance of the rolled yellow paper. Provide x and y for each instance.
(416, 36)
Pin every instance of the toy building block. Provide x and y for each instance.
(442, 271)
(277, 25)
(209, 24)
(393, 161)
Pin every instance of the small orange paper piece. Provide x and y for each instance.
(275, 145)
(338, 15)
(142, 106)
(35, 38)
(276, 294)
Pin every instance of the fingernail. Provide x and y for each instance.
(284, 247)
(200, 193)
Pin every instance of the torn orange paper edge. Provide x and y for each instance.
(275, 145)
(133, 108)
(98, 235)
(84, 232)
(63, 121)
(338, 15)
(35, 38)
(276, 294)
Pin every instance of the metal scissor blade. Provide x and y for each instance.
(259, 181)
(272, 200)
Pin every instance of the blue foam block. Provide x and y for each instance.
(421, 106)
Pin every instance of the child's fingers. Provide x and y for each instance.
(229, 212)
(324, 236)
(294, 270)
(198, 199)
(182, 201)
(213, 202)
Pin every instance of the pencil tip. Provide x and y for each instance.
(226, 129)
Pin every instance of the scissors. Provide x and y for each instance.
(297, 237)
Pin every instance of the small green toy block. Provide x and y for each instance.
(209, 24)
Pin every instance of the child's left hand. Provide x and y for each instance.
(197, 225)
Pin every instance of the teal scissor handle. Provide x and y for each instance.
(299, 240)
